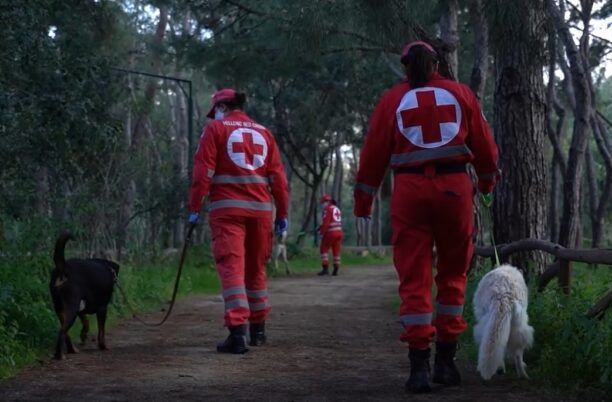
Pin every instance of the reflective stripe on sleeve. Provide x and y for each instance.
(366, 188)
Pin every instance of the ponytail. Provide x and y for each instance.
(420, 64)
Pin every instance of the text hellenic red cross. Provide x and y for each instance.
(248, 148)
(428, 115)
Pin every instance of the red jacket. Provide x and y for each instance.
(438, 123)
(332, 220)
(238, 166)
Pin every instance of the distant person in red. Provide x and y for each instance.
(331, 234)
(427, 128)
(238, 166)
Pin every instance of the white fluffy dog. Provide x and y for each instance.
(500, 306)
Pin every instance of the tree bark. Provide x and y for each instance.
(591, 179)
(519, 126)
(601, 205)
(480, 30)
(338, 175)
(448, 31)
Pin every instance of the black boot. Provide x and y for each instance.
(257, 334)
(324, 271)
(235, 342)
(336, 268)
(418, 382)
(445, 371)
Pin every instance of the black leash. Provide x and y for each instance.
(174, 292)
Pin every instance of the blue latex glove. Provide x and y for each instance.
(281, 225)
(193, 219)
(487, 199)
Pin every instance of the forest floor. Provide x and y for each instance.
(329, 338)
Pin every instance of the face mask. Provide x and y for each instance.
(219, 114)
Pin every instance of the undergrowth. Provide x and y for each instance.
(570, 352)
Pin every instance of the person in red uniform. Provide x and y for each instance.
(331, 232)
(238, 165)
(427, 128)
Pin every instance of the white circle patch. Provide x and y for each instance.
(336, 215)
(247, 148)
(429, 117)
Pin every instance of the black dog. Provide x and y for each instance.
(80, 287)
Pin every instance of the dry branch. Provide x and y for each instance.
(600, 307)
(591, 256)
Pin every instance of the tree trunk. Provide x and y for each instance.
(377, 219)
(448, 31)
(580, 78)
(520, 202)
(480, 64)
(338, 175)
(591, 179)
(602, 203)
(137, 135)
(181, 145)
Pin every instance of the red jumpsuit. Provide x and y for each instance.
(238, 166)
(426, 135)
(331, 230)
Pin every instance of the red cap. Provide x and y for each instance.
(221, 95)
(417, 43)
(326, 198)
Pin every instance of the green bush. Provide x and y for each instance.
(570, 351)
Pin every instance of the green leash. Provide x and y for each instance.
(493, 237)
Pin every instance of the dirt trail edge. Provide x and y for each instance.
(330, 338)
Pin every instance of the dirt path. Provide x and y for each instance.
(331, 338)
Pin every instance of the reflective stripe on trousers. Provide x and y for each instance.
(416, 319)
(449, 309)
(258, 299)
(235, 297)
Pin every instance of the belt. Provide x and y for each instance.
(442, 168)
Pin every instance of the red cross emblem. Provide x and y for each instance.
(247, 148)
(422, 115)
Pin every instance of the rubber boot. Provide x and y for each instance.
(235, 342)
(445, 371)
(336, 268)
(257, 333)
(324, 271)
(418, 383)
